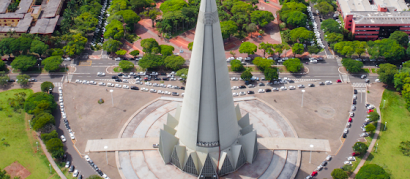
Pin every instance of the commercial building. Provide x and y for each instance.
(374, 19)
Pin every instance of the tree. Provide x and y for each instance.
(152, 14)
(241, 7)
(114, 30)
(126, 65)
(52, 63)
(174, 62)
(248, 48)
(297, 19)
(386, 73)
(2, 65)
(4, 79)
(324, 8)
(22, 79)
(121, 52)
(400, 37)
(172, 5)
(372, 171)
(374, 116)
(35, 99)
(47, 136)
(138, 5)
(301, 35)
(24, 44)
(129, 16)
(150, 45)
(271, 74)
(400, 79)
(405, 147)
(351, 65)
(370, 128)
(251, 28)
(42, 119)
(135, 53)
(228, 28)
(280, 47)
(297, 49)
(289, 7)
(406, 64)
(190, 45)
(261, 18)
(118, 5)
(265, 47)
(54, 146)
(246, 75)
(236, 65)
(387, 48)
(330, 26)
(333, 37)
(76, 45)
(262, 63)
(86, 22)
(166, 50)
(38, 47)
(338, 173)
(45, 86)
(405, 93)
(57, 52)
(360, 47)
(313, 49)
(183, 73)
(23, 62)
(360, 147)
(111, 45)
(293, 65)
(151, 61)
(3, 173)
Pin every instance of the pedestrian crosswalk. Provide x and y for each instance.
(57, 84)
(359, 85)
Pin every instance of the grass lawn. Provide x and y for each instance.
(388, 155)
(117, 69)
(22, 142)
(366, 70)
(374, 70)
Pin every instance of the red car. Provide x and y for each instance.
(350, 119)
(355, 154)
(339, 81)
(370, 110)
(314, 173)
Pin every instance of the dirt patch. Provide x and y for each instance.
(17, 170)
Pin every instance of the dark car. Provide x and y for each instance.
(324, 163)
(291, 81)
(134, 88)
(268, 90)
(157, 79)
(137, 76)
(182, 88)
(311, 85)
(71, 168)
(64, 157)
(175, 94)
(114, 77)
(100, 172)
(354, 101)
(321, 83)
(120, 74)
(80, 177)
(165, 79)
(242, 87)
(118, 80)
(11, 80)
(147, 79)
(261, 84)
(162, 73)
(355, 91)
(251, 92)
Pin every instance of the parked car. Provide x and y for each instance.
(134, 88)
(63, 138)
(75, 173)
(268, 90)
(251, 92)
(301, 86)
(101, 84)
(275, 89)
(292, 87)
(67, 164)
(261, 91)
(175, 94)
(100, 74)
(71, 168)
(321, 83)
(235, 94)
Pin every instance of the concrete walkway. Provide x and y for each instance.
(50, 159)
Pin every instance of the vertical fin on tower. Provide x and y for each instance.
(167, 142)
(169, 129)
(171, 121)
(244, 121)
(238, 112)
(248, 143)
(225, 164)
(247, 129)
(178, 112)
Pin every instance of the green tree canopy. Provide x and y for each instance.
(183, 73)
(135, 53)
(338, 173)
(372, 171)
(261, 18)
(47, 136)
(86, 22)
(301, 35)
(24, 44)
(360, 147)
(370, 128)
(22, 79)
(38, 47)
(280, 47)
(4, 79)
(246, 75)
(293, 65)
(174, 62)
(129, 16)
(111, 45)
(57, 52)
(35, 99)
(191, 44)
(400, 37)
(23, 62)
(324, 8)
(151, 61)
(387, 48)
(172, 5)
(330, 26)
(228, 28)
(374, 116)
(240, 7)
(262, 63)
(297, 19)
(121, 52)
(52, 63)
(166, 50)
(45, 86)
(248, 48)
(313, 49)
(271, 73)
(400, 79)
(2, 65)
(126, 65)
(114, 30)
(297, 49)
(266, 47)
(42, 119)
(386, 73)
(5, 46)
(152, 13)
(236, 65)
(118, 5)
(405, 147)
(92, 7)
(55, 146)
(141, 4)
(352, 66)
(150, 45)
(333, 38)
(289, 7)
(76, 45)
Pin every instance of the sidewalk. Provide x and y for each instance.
(50, 159)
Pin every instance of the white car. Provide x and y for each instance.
(125, 87)
(167, 92)
(144, 89)
(354, 96)
(169, 86)
(92, 83)
(67, 164)
(234, 79)
(234, 94)
(364, 134)
(153, 91)
(77, 81)
(100, 74)
(328, 82)
(86, 82)
(67, 59)
(110, 85)
(101, 84)
(283, 88)
(351, 158)
(377, 80)
(292, 87)
(173, 79)
(155, 85)
(251, 86)
(72, 136)
(105, 176)
(118, 59)
(329, 157)
(62, 138)
(182, 94)
(160, 92)
(118, 86)
(234, 87)
(75, 173)
(162, 85)
(87, 158)
(242, 93)
(261, 91)
(60, 99)
(126, 77)
(148, 83)
(351, 114)
(125, 81)
(347, 163)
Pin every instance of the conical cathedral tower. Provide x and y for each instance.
(208, 136)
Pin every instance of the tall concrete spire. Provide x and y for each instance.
(208, 136)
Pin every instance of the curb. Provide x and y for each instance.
(106, 69)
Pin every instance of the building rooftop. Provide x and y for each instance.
(51, 8)
(348, 6)
(21, 27)
(4, 4)
(12, 15)
(402, 17)
(24, 6)
(44, 26)
(36, 9)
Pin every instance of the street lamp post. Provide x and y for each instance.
(37, 145)
(50, 167)
(112, 99)
(38, 67)
(310, 158)
(29, 123)
(384, 103)
(303, 91)
(106, 158)
(376, 147)
(385, 124)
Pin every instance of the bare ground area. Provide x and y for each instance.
(17, 170)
